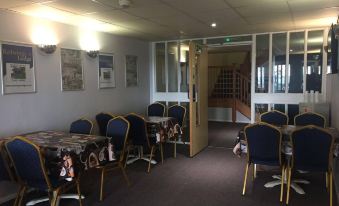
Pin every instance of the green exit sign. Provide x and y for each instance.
(228, 39)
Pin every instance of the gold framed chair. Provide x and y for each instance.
(29, 164)
(179, 113)
(81, 126)
(310, 157)
(263, 148)
(156, 109)
(274, 117)
(310, 118)
(117, 130)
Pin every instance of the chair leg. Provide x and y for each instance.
(245, 179)
(19, 196)
(79, 192)
(162, 153)
(254, 174)
(55, 197)
(282, 183)
(289, 171)
(124, 174)
(102, 183)
(331, 187)
(150, 159)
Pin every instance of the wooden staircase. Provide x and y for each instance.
(230, 88)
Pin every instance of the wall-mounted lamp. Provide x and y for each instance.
(47, 49)
(93, 53)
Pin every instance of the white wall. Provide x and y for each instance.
(49, 107)
(220, 114)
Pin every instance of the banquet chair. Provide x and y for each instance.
(274, 117)
(312, 151)
(156, 109)
(102, 120)
(117, 130)
(139, 138)
(81, 126)
(310, 118)
(8, 187)
(263, 148)
(179, 113)
(29, 164)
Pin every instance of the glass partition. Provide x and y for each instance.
(296, 62)
(184, 66)
(160, 74)
(172, 65)
(262, 59)
(314, 60)
(279, 62)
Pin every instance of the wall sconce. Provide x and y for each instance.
(47, 49)
(93, 53)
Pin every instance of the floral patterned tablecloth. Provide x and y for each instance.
(72, 152)
(162, 128)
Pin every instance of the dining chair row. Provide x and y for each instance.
(278, 118)
(264, 147)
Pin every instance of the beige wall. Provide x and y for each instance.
(223, 59)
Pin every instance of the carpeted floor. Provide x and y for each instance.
(214, 177)
(223, 134)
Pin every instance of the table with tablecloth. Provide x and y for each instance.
(162, 128)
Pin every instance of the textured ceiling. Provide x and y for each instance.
(154, 20)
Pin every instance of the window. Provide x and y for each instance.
(184, 66)
(262, 54)
(296, 62)
(279, 62)
(160, 74)
(314, 60)
(172, 65)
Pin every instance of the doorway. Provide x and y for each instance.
(229, 92)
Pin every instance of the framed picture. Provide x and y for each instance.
(106, 71)
(71, 70)
(131, 71)
(17, 66)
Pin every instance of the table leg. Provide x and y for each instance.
(294, 184)
(46, 199)
(141, 156)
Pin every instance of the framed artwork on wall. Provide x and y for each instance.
(131, 71)
(71, 70)
(17, 67)
(106, 71)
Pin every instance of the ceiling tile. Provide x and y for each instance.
(264, 10)
(13, 3)
(217, 16)
(151, 11)
(242, 3)
(135, 4)
(302, 5)
(316, 14)
(113, 16)
(197, 5)
(79, 6)
(278, 17)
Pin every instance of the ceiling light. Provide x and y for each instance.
(124, 4)
(213, 25)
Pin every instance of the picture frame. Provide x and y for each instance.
(131, 70)
(72, 73)
(17, 68)
(106, 71)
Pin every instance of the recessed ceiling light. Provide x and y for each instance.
(213, 25)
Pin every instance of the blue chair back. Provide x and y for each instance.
(102, 120)
(117, 129)
(28, 163)
(137, 132)
(310, 118)
(178, 112)
(263, 144)
(4, 169)
(274, 117)
(312, 149)
(156, 109)
(81, 126)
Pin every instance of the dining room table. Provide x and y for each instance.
(159, 130)
(68, 155)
